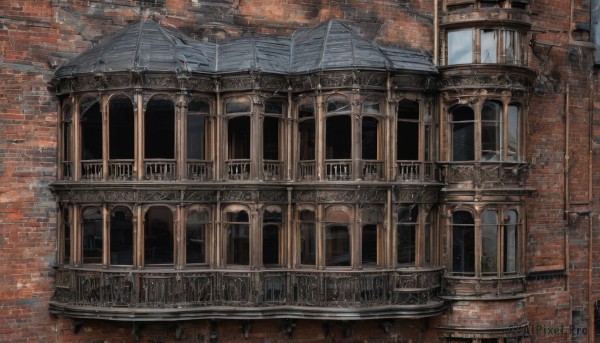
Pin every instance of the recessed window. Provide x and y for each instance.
(272, 222)
(158, 236)
(463, 243)
(198, 130)
(510, 241)
(66, 230)
(121, 236)
(195, 236)
(337, 238)
(371, 221)
(308, 239)
(490, 131)
(462, 126)
(121, 128)
(407, 131)
(237, 226)
(159, 129)
(370, 138)
(488, 46)
(92, 234)
(489, 242)
(407, 234)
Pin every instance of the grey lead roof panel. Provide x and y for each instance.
(330, 46)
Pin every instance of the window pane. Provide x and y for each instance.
(239, 137)
(274, 107)
(489, 242)
(195, 236)
(121, 236)
(91, 131)
(196, 137)
(272, 223)
(407, 131)
(371, 106)
(92, 235)
(427, 238)
(307, 243)
(337, 245)
(370, 140)
(121, 128)
(490, 131)
(460, 46)
(463, 134)
(158, 236)
(513, 133)
(489, 41)
(339, 137)
(510, 242)
(271, 138)
(463, 243)
(199, 106)
(238, 238)
(369, 244)
(238, 105)
(339, 104)
(407, 231)
(306, 130)
(66, 217)
(159, 129)
(306, 111)
(511, 47)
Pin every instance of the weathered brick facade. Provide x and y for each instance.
(561, 207)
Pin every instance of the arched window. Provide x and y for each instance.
(408, 216)
(158, 236)
(272, 140)
(307, 141)
(308, 237)
(196, 234)
(463, 243)
(491, 114)
(238, 138)
(92, 237)
(237, 225)
(91, 139)
(338, 250)
(462, 126)
(371, 223)
(121, 236)
(121, 138)
(272, 222)
(338, 139)
(198, 140)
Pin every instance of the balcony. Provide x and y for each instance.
(371, 170)
(238, 169)
(307, 170)
(414, 171)
(134, 295)
(272, 170)
(120, 170)
(199, 170)
(91, 170)
(160, 170)
(491, 173)
(340, 170)
(458, 287)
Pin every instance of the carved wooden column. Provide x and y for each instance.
(356, 239)
(388, 231)
(179, 250)
(356, 127)
(255, 236)
(320, 135)
(289, 161)
(105, 236)
(218, 234)
(256, 142)
(76, 240)
(218, 144)
(181, 107)
(138, 114)
(138, 237)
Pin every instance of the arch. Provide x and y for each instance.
(337, 104)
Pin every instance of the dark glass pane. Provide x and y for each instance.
(307, 243)
(490, 131)
(238, 238)
(67, 235)
(370, 139)
(121, 128)
(158, 236)
(306, 130)
(306, 215)
(407, 143)
(92, 235)
(195, 237)
(369, 244)
(513, 133)
(306, 111)
(196, 137)
(463, 243)
(339, 138)
(238, 106)
(371, 106)
(271, 139)
(274, 107)
(159, 129)
(239, 138)
(337, 246)
(463, 134)
(91, 133)
(406, 244)
(270, 244)
(201, 106)
(121, 236)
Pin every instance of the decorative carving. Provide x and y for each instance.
(371, 196)
(200, 196)
(273, 83)
(371, 80)
(200, 84)
(304, 196)
(337, 80)
(238, 195)
(158, 195)
(273, 196)
(160, 81)
(117, 196)
(495, 81)
(118, 81)
(237, 83)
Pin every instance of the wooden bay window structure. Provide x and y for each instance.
(299, 183)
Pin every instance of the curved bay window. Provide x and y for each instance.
(413, 146)
(271, 237)
(307, 237)
(198, 140)
(237, 230)
(338, 138)
(500, 132)
(463, 243)
(158, 236)
(159, 139)
(121, 236)
(90, 121)
(272, 140)
(121, 138)
(92, 234)
(485, 45)
(499, 238)
(307, 142)
(238, 138)
(338, 252)
(196, 234)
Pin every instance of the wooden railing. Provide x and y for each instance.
(160, 170)
(415, 171)
(272, 170)
(120, 170)
(91, 170)
(199, 170)
(338, 169)
(371, 170)
(200, 293)
(506, 286)
(484, 172)
(238, 169)
(307, 171)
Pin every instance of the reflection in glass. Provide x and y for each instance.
(489, 241)
(489, 41)
(460, 46)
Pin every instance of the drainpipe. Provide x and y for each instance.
(591, 329)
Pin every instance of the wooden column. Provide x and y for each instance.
(105, 135)
(139, 134)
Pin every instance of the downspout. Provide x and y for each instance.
(591, 313)
(566, 182)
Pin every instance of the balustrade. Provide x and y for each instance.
(91, 170)
(120, 170)
(238, 169)
(160, 169)
(199, 170)
(307, 170)
(100, 290)
(338, 169)
(272, 170)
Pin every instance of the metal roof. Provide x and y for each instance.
(147, 46)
